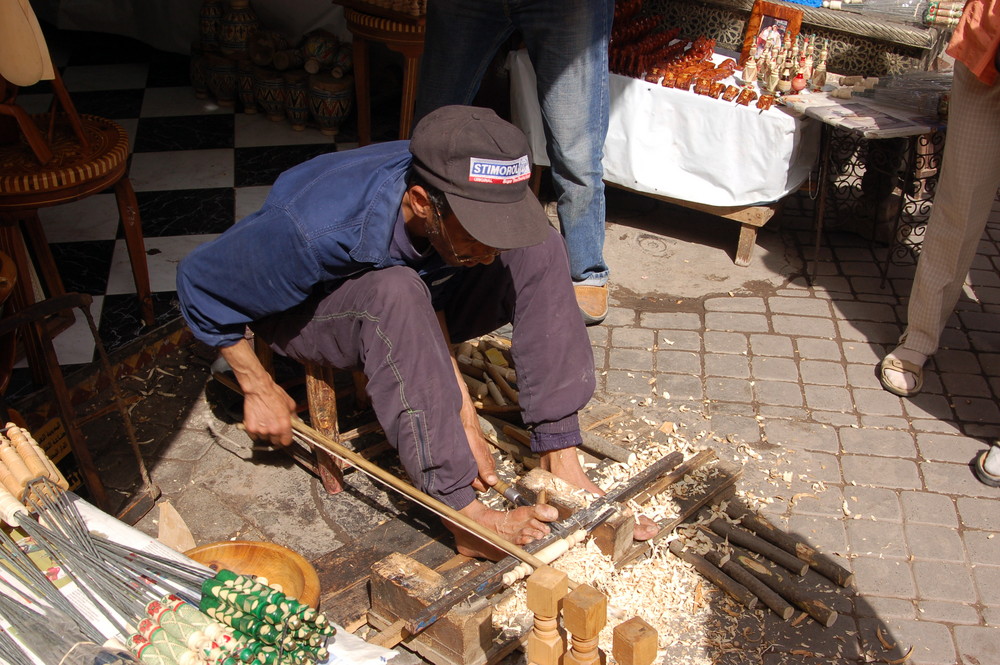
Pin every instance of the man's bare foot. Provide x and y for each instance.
(519, 526)
(565, 464)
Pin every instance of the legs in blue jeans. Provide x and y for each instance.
(567, 41)
(383, 322)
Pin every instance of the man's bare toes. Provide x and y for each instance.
(645, 528)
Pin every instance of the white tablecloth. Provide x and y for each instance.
(677, 144)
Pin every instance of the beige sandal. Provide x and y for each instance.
(905, 367)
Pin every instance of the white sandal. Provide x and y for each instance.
(904, 367)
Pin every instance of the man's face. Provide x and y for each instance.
(454, 244)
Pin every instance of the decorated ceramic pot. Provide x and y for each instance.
(244, 85)
(297, 99)
(238, 23)
(221, 74)
(330, 101)
(209, 17)
(269, 92)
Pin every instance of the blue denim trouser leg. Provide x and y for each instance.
(567, 41)
(383, 322)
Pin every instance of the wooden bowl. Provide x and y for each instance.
(280, 565)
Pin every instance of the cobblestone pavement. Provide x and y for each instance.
(781, 373)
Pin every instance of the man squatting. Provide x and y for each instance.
(363, 258)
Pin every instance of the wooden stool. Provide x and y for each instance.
(74, 172)
(321, 398)
(401, 33)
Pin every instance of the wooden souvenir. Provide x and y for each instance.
(634, 642)
(729, 94)
(343, 61)
(750, 71)
(716, 89)
(585, 613)
(770, 22)
(546, 588)
(746, 96)
(765, 102)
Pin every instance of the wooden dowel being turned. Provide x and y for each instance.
(776, 578)
(746, 539)
(821, 563)
(733, 589)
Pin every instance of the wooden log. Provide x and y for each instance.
(401, 587)
(585, 613)
(545, 590)
(615, 536)
(686, 467)
(778, 579)
(746, 539)
(634, 642)
(714, 489)
(768, 596)
(733, 589)
(821, 563)
(468, 367)
(598, 445)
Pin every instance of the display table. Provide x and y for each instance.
(733, 161)
(892, 185)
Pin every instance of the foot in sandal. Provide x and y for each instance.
(902, 372)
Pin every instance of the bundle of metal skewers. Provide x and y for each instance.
(167, 611)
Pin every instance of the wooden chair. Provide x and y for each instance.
(321, 402)
(54, 158)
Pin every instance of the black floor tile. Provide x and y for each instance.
(109, 103)
(84, 266)
(98, 48)
(121, 321)
(169, 70)
(195, 132)
(186, 211)
(262, 166)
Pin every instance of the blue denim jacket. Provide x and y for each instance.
(323, 221)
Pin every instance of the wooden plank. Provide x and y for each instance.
(343, 573)
(401, 587)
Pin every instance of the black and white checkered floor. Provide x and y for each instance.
(196, 168)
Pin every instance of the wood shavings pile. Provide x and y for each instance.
(697, 623)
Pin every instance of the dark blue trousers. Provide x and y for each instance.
(383, 322)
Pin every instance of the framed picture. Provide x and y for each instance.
(769, 24)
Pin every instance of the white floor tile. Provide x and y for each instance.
(182, 169)
(250, 200)
(92, 218)
(162, 257)
(255, 130)
(35, 103)
(75, 345)
(105, 77)
(166, 102)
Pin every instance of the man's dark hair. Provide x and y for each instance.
(436, 196)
